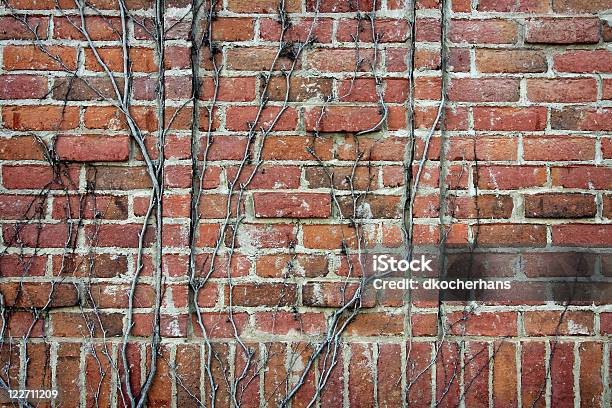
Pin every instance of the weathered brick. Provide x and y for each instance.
(292, 205)
(562, 90)
(510, 118)
(496, 31)
(30, 57)
(558, 148)
(85, 148)
(484, 90)
(510, 61)
(22, 87)
(562, 30)
(560, 206)
(40, 117)
(583, 61)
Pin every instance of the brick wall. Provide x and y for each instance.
(517, 175)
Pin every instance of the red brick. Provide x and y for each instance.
(189, 390)
(218, 325)
(69, 386)
(19, 266)
(267, 177)
(97, 266)
(361, 378)
(30, 57)
(386, 149)
(606, 147)
(510, 177)
(424, 324)
(605, 323)
(586, 177)
(358, 90)
(232, 89)
(484, 206)
(21, 148)
(91, 207)
(342, 119)
(533, 374)
(256, 59)
(276, 266)
(512, 235)
(562, 30)
(607, 89)
(427, 88)
(297, 148)
(504, 374)
(481, 148)
(560, 206)
(589, 235)
(14, 29)
(293, 205)
(459, 60)
(37, 294)
(555, 323)
(339, 60)
(389, 30)
(561, 370)
(262, 294)
(493, 31)
(170, 325)
(266, 235)
(120, 235)
(175, 205)
(300, 88)
(38, 177)
(328, 236)
(455, 118)
(178, 176)
(427, 30)
(525, 6)
(389, 370)
(276, 373)
(423, 59)
(334, 294)
(558, 148)
(580, 6)
(261, 6)
(233, 29)
(418, 373)
(447, 374)
(562, 90)
(270, 30)
(98, 28)
(483, 90)
(376, 324)
(509, 118)
(340, 6)
(332, 394)
(143, 59)
(239, 118)
(40, 117)
(575, 118)
(22, 87)
(476, 375)
(591, 386)
(283, 323)
(84, 148)
(583, 61)
(462, 6)
(510, 61)
(607, 206)
(484, 324)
